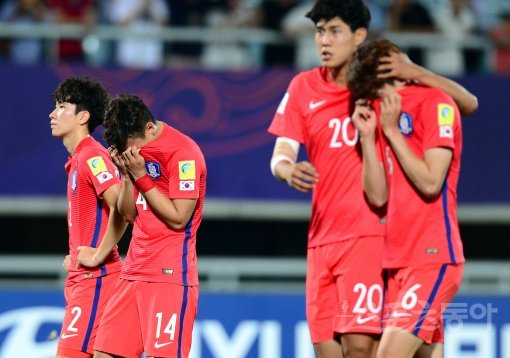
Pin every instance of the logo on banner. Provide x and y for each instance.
(153, 169)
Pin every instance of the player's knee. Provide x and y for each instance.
(388, 352)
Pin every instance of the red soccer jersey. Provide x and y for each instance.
(91, 173)
(315, 112)
(423, 231)
(156, 252)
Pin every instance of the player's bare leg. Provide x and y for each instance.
(329, 349)
(398, 343)
(434, 350)
(360, 345)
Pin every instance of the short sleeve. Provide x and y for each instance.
(186, 169)
(99, 171)
(441, 121)
(288, 120)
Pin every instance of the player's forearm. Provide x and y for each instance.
(415, 168)
(374, 179)
(465, 100)
(113, 233)
(174, 216)
(125, 204)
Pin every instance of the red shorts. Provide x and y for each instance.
(85, 303)
(416, 298)
(152, 317)
(344, 288)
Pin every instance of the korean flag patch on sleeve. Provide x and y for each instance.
(99, 170)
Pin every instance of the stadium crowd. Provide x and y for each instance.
(449, 20)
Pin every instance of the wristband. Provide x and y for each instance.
(144, 183)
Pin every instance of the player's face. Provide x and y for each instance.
(63, 119)
(336, 43)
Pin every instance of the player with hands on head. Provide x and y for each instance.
(411, 139)
(163, 188)
(94, 224)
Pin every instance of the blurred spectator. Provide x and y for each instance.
(188, 13)
(411, 16)
(501, 38)
(25, 51)
(272, 13)
(80, 12)
(140, 15)
(454, 19)
(298, 27)
(229, 55)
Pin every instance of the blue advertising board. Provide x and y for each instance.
(228, 114)
(251, 325)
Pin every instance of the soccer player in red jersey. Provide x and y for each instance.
(414, 171)
(93, 188)
(344, 286)
(164, 178)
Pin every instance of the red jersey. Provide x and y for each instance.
(158, 253)
(315, 112)
(423, 231)
(91, 173)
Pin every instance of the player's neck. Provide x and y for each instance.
(338, 75)
(72, 140)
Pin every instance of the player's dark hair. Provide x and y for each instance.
(126, 118)
(362, 78)
(87, 94)
(353, 12)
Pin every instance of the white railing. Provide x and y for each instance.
(247, 36)
(243, 209)
(225, 274)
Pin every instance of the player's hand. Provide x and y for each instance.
(364, 119)
(87, 256)
(302, 176)
(118, 160)
(391, 106)
(67, 263)
(398, 65)
(135, 163)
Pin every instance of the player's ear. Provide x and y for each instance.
(151, 128)
(360, 35)
(84, 117)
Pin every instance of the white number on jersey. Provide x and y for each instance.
(141, 201)
(366, 298)
(341, 133)
(170, 327)
(77, 312)
(410, 298)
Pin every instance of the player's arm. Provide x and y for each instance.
(175, 213)
(92, 257)
(126, 205)
(301, 176)
(428, 173)
(374, 179)
(400, 66)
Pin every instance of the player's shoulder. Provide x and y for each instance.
(313, 75)
(93, 149)
(424, 92)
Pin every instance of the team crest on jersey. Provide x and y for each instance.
(74, 181)
(153, 169)
(97, 165)
(405, 123)
(445, 118)
(187, 170)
